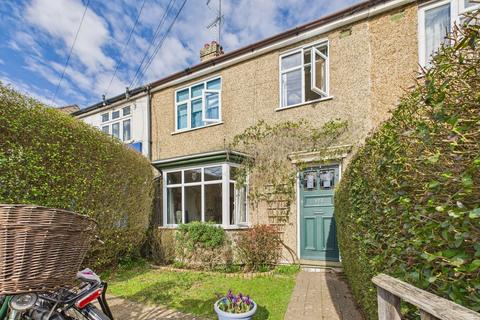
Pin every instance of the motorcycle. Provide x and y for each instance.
(63, 304)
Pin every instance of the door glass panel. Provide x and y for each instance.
(213, 203)
(327, 179)
(310, 180)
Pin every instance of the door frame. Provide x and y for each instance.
(297, 190)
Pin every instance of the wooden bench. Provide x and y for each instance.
(390, 291)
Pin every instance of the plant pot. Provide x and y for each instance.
(222, 315)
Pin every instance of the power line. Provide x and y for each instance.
(155, 35)
(160, 44)
(70, 53)
(125, 46)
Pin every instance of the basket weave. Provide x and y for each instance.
(41, 248)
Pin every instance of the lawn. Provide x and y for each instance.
(194, 292)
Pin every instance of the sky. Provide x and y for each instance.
(36, 37)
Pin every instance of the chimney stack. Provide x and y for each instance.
(210, 51)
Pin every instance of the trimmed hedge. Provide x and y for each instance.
(409, 203)
(52, 159)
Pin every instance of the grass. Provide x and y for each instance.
(194, 292)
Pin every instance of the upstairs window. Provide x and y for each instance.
(198, 105)
(436, 21)
(304, 75)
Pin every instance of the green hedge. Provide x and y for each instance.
(409, 203)
(52, 159)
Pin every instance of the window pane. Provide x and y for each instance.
(182, 95)
(104, 117)
(182, 116)
(174, 205)
(197, 113)
(437, 25)
(116, 114)
(213, 203)
(197, 90)
(291, 88)
(126, 111)
(232, 203)
(213, 173)
(468, 3)
(126, 130)
(241, 204)
(306, 56)
(105, 129)
(194, 175)
(212, 106)
(291, 61)
(214, 84)
(116, 130)
(309, 94)
(174, 177)
(320, 73)
(193, 203)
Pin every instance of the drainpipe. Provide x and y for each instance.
(149, 122)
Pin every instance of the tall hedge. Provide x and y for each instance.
(409, 202)
(52, 159)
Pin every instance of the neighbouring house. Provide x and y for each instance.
(69, 109)
(353, 65)
(125, 117)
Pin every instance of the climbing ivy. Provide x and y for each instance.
(269, 169)
(409, 203)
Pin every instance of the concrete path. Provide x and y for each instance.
(127, 310)
(322, 295)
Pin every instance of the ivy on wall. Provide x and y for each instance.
(409, 203)
(52, 159)
(271, 174)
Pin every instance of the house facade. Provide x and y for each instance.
(125, 117)
(353, 65)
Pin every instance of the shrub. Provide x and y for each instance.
(409, 203)
(202, 246)
(52, 159)
(259, 248)
(161, 246)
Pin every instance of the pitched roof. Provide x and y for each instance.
(244, 50)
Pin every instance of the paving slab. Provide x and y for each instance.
(322, 295)
(123, 309)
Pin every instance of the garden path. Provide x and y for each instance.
(322, 295)
(127, 310)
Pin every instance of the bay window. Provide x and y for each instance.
(304, 75)
(435, 21)
(198, 105)
(206, 194)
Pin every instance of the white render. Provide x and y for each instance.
(138, 120)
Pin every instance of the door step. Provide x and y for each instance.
(321, 266)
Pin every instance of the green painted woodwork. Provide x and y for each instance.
(318, 240)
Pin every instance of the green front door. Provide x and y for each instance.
(318, 240)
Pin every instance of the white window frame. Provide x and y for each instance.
(118, 120)
(225, 181)
(457, 8)
(204, 105)
(188, 102)
(301, 50)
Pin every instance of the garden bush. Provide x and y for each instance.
(52, 159)
(409, 203)
(259, 248)
(202, 245)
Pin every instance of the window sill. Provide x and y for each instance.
(304, 103)
(198, 128)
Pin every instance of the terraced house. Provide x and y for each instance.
(353, 65)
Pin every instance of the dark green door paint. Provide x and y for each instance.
(318, 239)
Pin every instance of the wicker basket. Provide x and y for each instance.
(41, 248)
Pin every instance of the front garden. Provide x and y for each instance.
(193, 292)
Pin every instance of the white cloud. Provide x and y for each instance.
(2, 62)
(61, 19)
